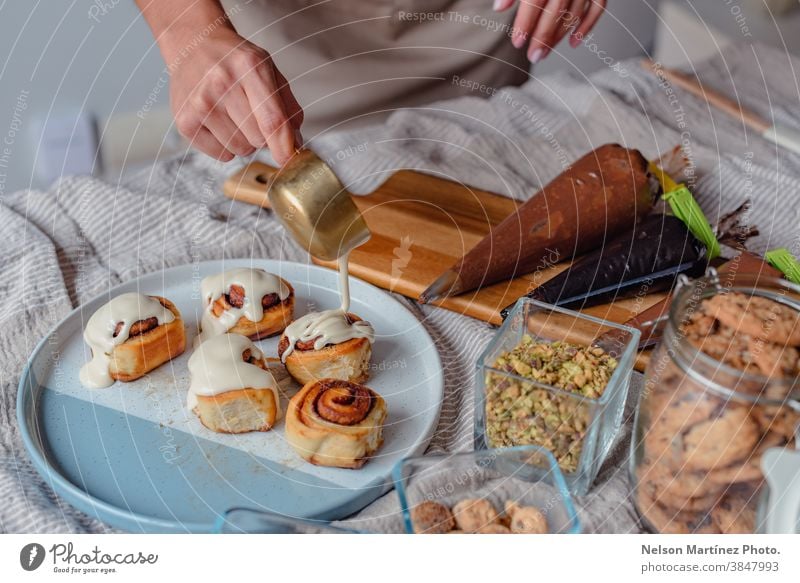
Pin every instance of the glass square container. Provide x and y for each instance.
(577, 429)
(527, 476)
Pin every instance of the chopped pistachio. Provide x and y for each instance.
(521, 413)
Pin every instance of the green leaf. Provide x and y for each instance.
(667, 183)
(782, 260)
(685, 207)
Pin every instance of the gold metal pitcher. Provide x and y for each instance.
(314, 206)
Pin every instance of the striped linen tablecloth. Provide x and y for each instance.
(80, 237)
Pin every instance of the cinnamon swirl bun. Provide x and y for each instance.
(327, 345)
(231, 388)
(245, 301)
(130, 336)
(337, 423)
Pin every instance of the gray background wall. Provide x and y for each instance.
(67, 61)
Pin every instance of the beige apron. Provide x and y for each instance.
(352, 62)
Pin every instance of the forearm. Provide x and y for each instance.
(175, 23)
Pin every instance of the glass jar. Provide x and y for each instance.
(703, 425)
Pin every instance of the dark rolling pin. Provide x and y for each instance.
(647, 259)
(650, 321)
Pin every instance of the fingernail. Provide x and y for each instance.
(574, 41)
(500, 5)
(518, 40)
(535, 56)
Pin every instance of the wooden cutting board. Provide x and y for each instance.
(421, 225)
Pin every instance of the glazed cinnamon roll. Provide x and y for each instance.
(245, 301)
(327, 345)
(335, 423)
(130, 336)
(231, 388)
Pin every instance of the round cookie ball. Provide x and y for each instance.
(473, 514)
(432, 518)
(526, 519)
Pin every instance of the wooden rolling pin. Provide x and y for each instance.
(783, 136)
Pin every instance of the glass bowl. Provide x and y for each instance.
(527, 476)
(577, 429)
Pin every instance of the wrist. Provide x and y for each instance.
(181, 26)
(180, 40)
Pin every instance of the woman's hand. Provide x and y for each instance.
(228, 97)
(543, 23)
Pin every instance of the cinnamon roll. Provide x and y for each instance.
(130, 336)
(245, 301)
(336, 423)
(327, 345)
(231, 389)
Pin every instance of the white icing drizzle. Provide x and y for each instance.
(99, 334)
(256, 284)
(329, 326)
(217, 367)
(344, 282)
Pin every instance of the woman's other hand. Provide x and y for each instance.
(541, 24)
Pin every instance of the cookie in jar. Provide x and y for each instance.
(721, 389)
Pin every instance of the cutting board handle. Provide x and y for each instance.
(250, 184)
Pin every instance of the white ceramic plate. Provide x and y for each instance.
(135, 457)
